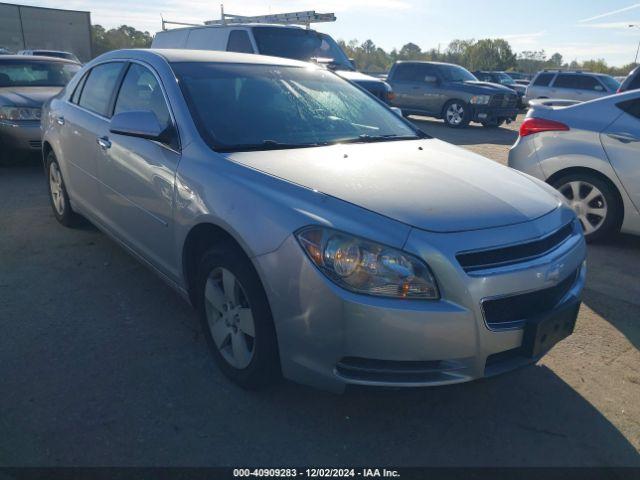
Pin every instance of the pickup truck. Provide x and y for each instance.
(450, 92)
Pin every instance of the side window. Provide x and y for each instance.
(567, 80)
(141, 91)
(543, 80)
(239, 42)
(424, 70)
(98, 87)
(406, 72)
(632, 107)
(76, 93)
(635, 82)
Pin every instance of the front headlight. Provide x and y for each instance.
(480, 99)
(19, 113)
(366, 267)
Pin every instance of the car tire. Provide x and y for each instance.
(493, 124)
(236, 317)
(58, 195)
(595, 201)
(456, 114)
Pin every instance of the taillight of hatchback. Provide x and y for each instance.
(536, 125)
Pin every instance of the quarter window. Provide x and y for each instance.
(632, 107)
(239, 42)
(543, 80)
(76, 93)
(99, 86)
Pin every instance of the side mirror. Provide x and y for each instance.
(396, 110)
(142, 124)
(598, 88)
(353, 63)
(431, 79)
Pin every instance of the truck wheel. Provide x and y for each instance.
(456, 114)
(493, 123)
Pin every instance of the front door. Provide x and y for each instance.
(138, 175)
(621, 140)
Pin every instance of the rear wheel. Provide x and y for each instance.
(595, 202)
(236, 316)
(58, 194)
(456, 114)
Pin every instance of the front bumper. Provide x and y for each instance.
(329, 337)
(22, 137)
(485, 113)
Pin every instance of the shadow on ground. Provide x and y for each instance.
(471, 135)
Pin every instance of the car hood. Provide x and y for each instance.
(438, 187)
(357, 77)
(483, 88)
(32, 97)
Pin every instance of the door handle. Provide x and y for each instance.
(623, 137)
(60, 120)
(104, 143)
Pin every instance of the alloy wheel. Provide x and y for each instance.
(230, 318)
(588, 202)
(454, 114)
(56, 187)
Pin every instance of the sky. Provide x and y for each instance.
(577, 29)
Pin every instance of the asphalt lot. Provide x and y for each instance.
(102, 364)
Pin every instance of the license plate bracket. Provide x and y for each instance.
(543, 332)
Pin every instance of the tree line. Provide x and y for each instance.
(484, 54)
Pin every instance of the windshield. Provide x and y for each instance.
(611, 83)
(265, 107)
(36, 73)
(454, 73)
(299, 44)
(506, 79)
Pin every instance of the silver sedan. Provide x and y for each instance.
(319, 235)
(590, 152)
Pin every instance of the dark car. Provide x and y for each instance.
(632, 82)
(26, 82)
(450, 92)
(503, 78)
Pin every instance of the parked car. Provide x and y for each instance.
(571, 85)
(590, 153)
(450, 92)
(519, 76)
(286, 41)
(631, 82)
(501, 78)
(25, 84)
(4, 51)
(318, 234)
(51, 53)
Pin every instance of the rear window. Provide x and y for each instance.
(543, 80)
(632, 107)
(98, 88)
(37, 73)
(239, 42)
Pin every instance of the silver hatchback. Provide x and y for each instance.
(319, 235)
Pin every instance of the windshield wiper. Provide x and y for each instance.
(366, 138)
(267, 145)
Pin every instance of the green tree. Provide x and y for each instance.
(490, 54)
(116, 38)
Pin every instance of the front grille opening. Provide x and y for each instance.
(393, 371)
(510, 311)
(505, 256)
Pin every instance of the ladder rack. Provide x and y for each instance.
(305, 18)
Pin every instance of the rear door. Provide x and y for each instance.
(621, 140)
(138, 175)
(82, 122)
(403, 81)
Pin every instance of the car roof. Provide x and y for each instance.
(31, 58)
(203, 56)
(427, 62)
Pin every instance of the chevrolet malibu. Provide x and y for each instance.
(319, 235)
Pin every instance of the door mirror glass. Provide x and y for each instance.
(598, 88)
(142, 124)
(430, 79)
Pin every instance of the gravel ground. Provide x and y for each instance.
(102, 364)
